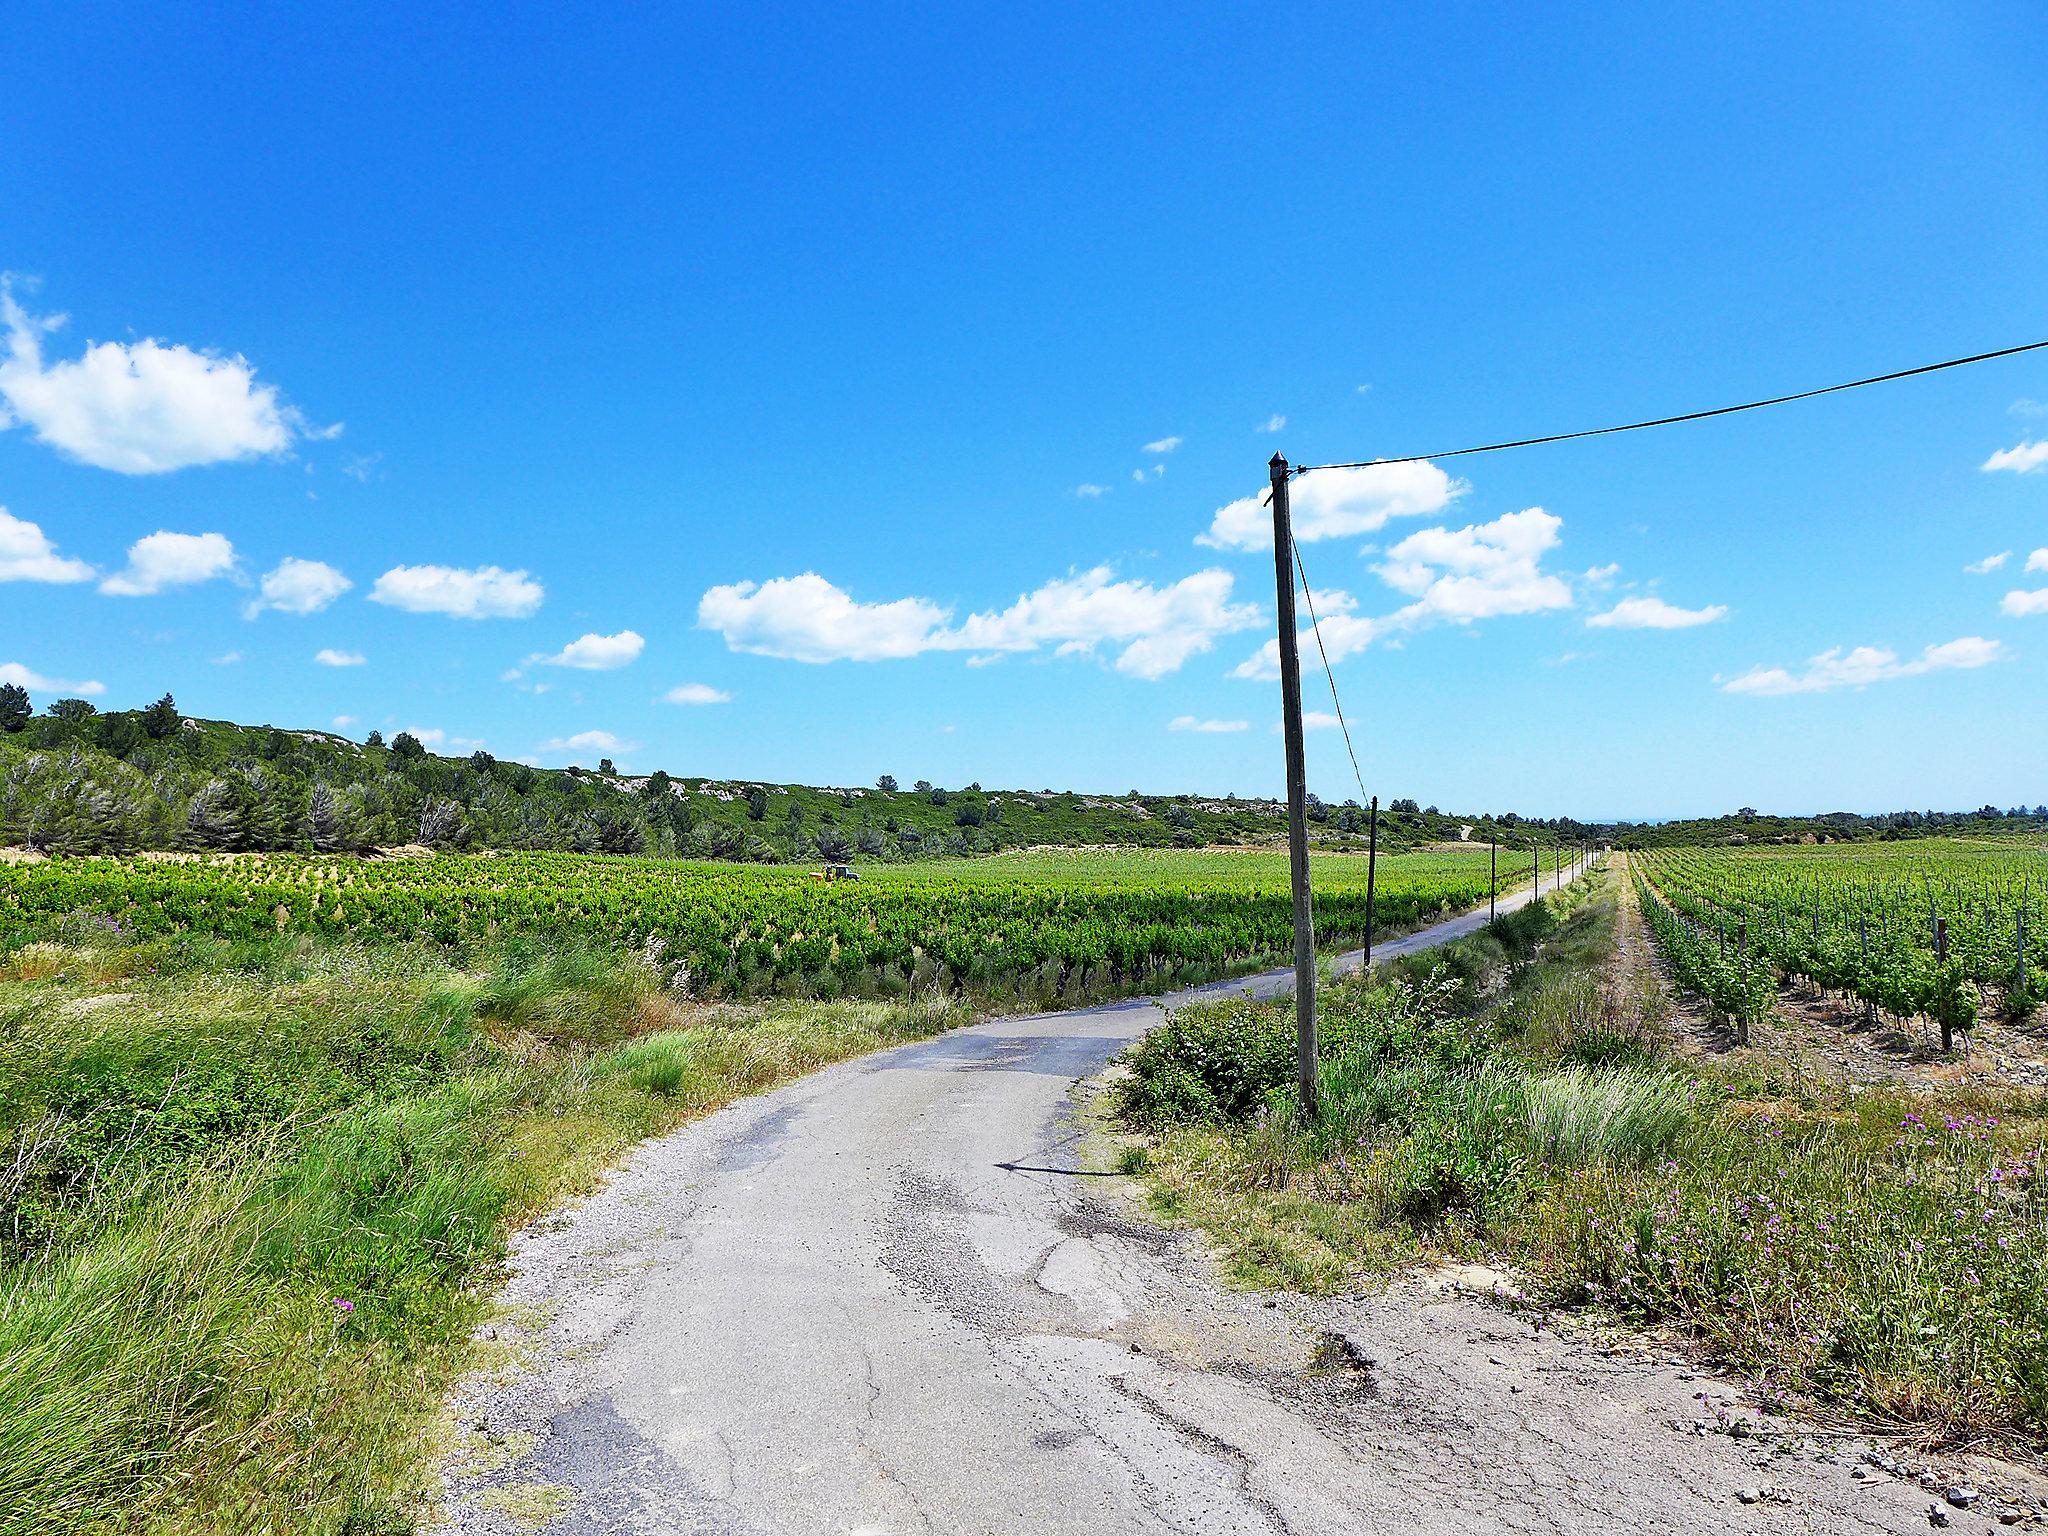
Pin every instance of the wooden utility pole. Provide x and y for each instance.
(1372, 856)
(1492, 878)
(1297, 791)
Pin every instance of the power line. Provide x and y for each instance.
(1667, 421)
(1316, 625)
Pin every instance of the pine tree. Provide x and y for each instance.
(161, 718)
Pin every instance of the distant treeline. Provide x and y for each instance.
(1750, 826)
(78, 780)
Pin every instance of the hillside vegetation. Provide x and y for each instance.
(78, 781)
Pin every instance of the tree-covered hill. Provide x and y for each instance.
(78, 780)
(75, 780)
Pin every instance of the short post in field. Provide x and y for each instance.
(1742, 964)
(1372, 855)
(1948, 1028)
(1492, 878)
(1297, 791)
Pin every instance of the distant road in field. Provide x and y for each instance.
(889, 1299)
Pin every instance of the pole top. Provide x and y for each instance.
(1278, 461)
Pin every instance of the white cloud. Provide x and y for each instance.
(1654, 613)
(603, 743)
(14, 672)
(299, 587)
(2022, 459)
(2020, 605)
(1088, 491)
(1158, 627)
(171, 560)
(343, 722)
(596, 653)
(1336, 504)
(1363, 389)
(1274, 423)
(1601, 575)
(334, 658)
(1318, 720)
(1161, 445)
(1864, 665)
(26, 554)
(1208, 727)
(140, 408)
(2038, 560)
(1480, 571)
(484, 593)
(1988, 564)
(227, 658)
(2025, 407)
(1454, 576)
(807, 618)
(696, 693)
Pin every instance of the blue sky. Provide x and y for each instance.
(771, 355)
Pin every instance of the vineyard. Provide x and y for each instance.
(1038, 927)
(1933, 930)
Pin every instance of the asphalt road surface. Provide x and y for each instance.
(888, 1299)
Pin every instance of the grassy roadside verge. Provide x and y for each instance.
(253, 1199)
(1886, 1251)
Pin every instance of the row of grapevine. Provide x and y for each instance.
(1930, 930)
(1739, 982)
(1098, 927)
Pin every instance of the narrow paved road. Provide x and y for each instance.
(885, 1299)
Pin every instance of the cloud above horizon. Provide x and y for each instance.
(298, 587)
(1154, 629)
(138, 408)
(1864, 665)
(603, 743)
(1655, 613)
(697, 694)
(1453, 576)
(2021, 459)
(1335, 504)
(487, 592)
(596, 653)
(26, 554)
(21, 677)
(165, 560)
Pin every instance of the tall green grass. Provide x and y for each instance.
(253, 1197)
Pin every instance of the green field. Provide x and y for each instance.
(1042, 928)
